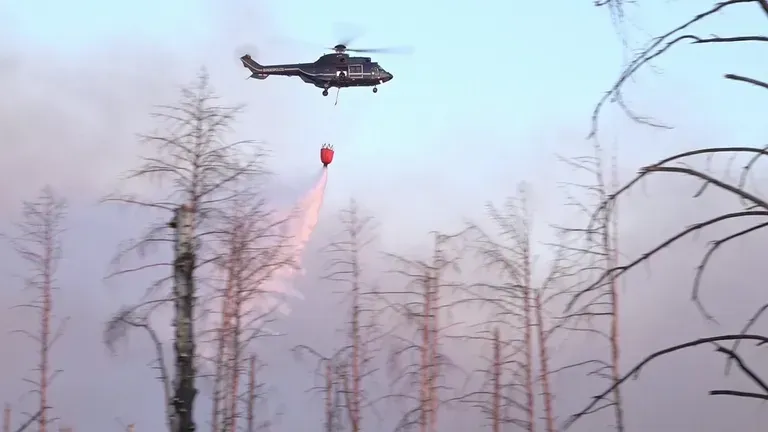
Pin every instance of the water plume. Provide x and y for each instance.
(302, 224)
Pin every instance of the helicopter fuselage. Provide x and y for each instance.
(331, 70)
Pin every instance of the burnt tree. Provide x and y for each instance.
(345, 269)
(198, 168)
(255, 248)
(7, 418)
(331, 373)
(748, 219)
(38, 243)
(417, 363)
(751, 218)
(594, 251)
(520, 324)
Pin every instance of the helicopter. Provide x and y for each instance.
(338, 70)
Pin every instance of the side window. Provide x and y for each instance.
(356, 69)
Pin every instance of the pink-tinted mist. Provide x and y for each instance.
(305, 217)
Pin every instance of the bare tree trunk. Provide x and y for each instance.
(611, 245)
(329, 404)
(218, 414)
(426, 360)
(344, 268)
(206, 172)
(423, 371)
(39, 244)
(184, 301)
(527, 337)
(252, 395)
(48, 262)
(496, 402)
(354, 409)
(7, 418)
(45, 331)
(221, 354)
(549, 415)
(235, 345)
(434, 283)
(433, 358)
(234, 365)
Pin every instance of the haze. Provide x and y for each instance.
(493, 91)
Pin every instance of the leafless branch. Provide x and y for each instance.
(635, 371)
(658, 46)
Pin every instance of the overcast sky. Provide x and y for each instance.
(492, 92)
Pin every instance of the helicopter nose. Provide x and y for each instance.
(386, 76)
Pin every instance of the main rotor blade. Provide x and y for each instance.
(246, 48)
(347, 33)
(390, 50)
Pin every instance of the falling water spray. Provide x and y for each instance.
(301, 223)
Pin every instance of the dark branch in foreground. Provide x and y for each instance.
(658, 46)
(635, 371)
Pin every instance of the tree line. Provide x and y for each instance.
(228, 245)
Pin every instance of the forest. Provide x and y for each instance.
(508, 322)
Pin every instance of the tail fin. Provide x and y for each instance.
(251, 64)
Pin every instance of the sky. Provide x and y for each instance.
(492, 92)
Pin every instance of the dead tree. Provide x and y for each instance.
(519, 305)
(255, 395)
(417, 363)
(594, 250)
(7, 418)
(660, 45)
(335, 371)
(497, 397)
(750, 218)
(255, 248)
(331, 373)
(200, 169)
(38, 243)
(345, 270)
(331, 390)
(753, 212)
